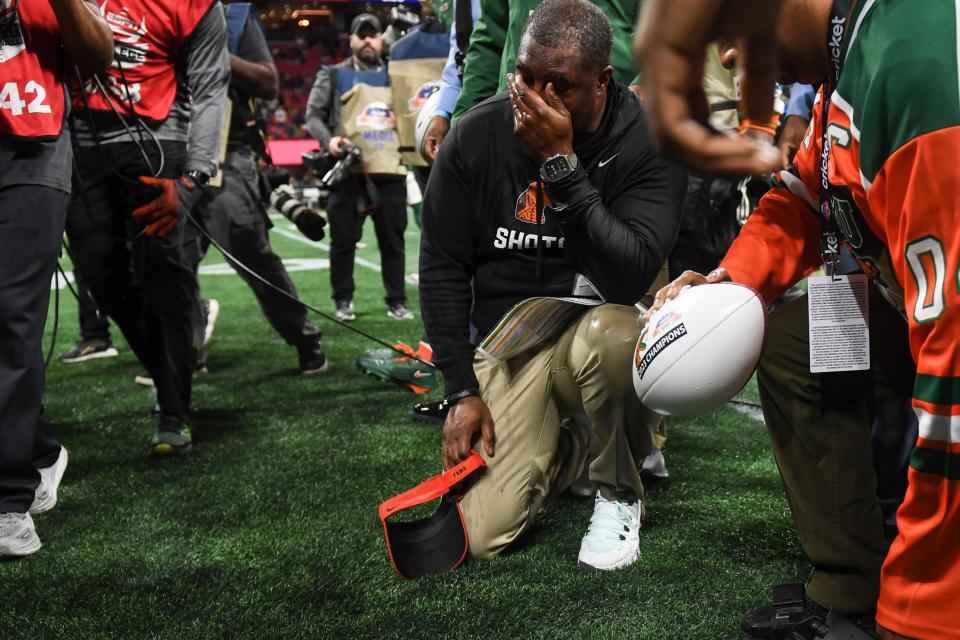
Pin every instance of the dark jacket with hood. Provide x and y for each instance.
(484, 248)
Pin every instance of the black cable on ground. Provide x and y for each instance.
(305, 305)
(56, 315)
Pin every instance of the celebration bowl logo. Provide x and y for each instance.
(423, 94)
(377, 115)
(666, 322)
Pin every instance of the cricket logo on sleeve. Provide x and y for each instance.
(422, 94)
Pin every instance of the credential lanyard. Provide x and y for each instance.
(829, 233)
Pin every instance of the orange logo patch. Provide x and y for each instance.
(526, 209)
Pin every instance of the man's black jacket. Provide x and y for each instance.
(615, 220)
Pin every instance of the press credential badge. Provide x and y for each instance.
(839, 331)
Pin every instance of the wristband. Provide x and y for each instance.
(770, 128)
(443, 113)
(457, 396)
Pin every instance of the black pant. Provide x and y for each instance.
(347, 208)
(31, 226)
(708, 225)
(148, 286)
(233, 215)
(93, 322)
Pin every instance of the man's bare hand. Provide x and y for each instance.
(691, 278)
(336, 145)
(465, 419)
(543, 125)
(791, 137)
(436, 131)
(671, 44)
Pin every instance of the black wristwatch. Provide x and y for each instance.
(199, 177)
(558, 167)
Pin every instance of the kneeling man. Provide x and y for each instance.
(556, 179)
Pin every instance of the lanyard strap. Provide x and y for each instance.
(829, 233)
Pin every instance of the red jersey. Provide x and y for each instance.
(32, 99)
(148, 37)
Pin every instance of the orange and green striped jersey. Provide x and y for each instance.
(894, 171)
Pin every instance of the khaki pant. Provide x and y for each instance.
(839, 447)
(545, 403)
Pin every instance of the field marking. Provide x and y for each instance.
(748, 409)
(323, 246)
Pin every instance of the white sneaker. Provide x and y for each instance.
(654, 465)
(399, 312)
(345, 312)
(18, 536)
(613, 537)
(45, 497)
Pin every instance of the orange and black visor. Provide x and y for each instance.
(436, 544)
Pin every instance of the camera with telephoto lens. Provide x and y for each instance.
(403, 19)
(309, 222)
(351, 156)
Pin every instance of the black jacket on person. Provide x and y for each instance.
(482, 249)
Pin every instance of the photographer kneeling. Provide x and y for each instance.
(557, 179)
(351, 100)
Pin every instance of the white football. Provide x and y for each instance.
(423, 121)
(699, 349)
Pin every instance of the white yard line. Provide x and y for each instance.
(323, 246)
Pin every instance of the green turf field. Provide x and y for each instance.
(269, 530)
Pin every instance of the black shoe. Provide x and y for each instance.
(89, 350)
(792, 615)
(430, 411)
(313, 359)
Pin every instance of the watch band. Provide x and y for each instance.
(199, 177)
(457, 396)
(569, 163)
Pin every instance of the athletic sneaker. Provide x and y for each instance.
(211, 309)
(387, 364)
(345, 311)
(654, 466)
(613, 537)
(89, 350)
(45, 497)
(144, 378)
(430, 411)
(171, 438)
(313, 359)
(399, 312)
(18, 535)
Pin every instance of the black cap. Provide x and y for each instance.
(365, 19)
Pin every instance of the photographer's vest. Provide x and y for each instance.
(32, 95)
(415, 71)
(149, 37)
(367, 119)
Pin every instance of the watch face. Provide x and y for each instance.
(557, 168)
